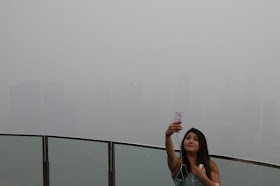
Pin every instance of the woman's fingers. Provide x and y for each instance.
(176, 123)
(174, 127)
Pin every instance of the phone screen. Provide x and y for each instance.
(178, 117)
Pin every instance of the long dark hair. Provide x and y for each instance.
(202, 154)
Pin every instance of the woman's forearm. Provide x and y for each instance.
(169, 145)
(209, 182)
(171, 155)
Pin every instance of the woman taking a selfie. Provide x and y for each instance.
(194, 167)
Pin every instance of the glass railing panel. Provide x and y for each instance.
(78, 162)
(140, 166)
(21, 161)
(234, 173)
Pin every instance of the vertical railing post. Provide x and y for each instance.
(111, 174)
(45, 162)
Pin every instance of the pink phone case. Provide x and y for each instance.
(178, 117)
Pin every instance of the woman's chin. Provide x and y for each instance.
(191, 151)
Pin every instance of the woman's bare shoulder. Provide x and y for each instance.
(213, 166)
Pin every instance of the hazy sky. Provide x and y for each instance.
(118, 70)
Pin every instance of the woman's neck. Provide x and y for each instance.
(192, 158)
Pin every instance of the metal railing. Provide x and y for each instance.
(111, 156)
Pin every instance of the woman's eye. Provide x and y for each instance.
(196, 139)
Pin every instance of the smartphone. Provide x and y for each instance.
(178, 117)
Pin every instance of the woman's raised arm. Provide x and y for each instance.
(172, 159)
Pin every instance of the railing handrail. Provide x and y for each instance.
(147, 146)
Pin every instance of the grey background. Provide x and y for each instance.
(118, 70)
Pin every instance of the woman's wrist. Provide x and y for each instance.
(167, 135)
(207, 181)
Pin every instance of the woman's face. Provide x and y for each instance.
(191, 142)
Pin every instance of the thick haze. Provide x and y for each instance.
(118, 70)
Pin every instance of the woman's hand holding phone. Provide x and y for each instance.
(174, 127)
